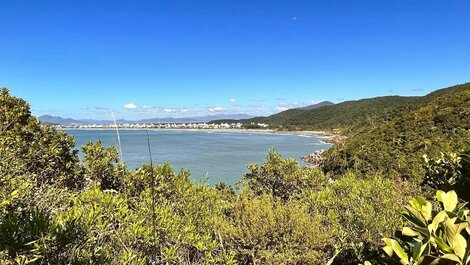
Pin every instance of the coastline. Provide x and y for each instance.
(322, 134)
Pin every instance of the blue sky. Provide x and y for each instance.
(146, 59)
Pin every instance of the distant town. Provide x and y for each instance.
(208, 126)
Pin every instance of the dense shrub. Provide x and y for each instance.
(266, 230)
(29, 148)
(450, 171)
(360, 211)
(282, 178)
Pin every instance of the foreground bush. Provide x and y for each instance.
(433, 237)
(360, 211)
(266, 230)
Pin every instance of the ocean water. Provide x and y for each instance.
(217, 155)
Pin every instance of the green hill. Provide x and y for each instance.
(335, 116)
(350, 113)
(395, 144)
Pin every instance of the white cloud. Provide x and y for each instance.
(215, 109)
(184, 110)
(129, 106)
(232, 100)
(168, 110)
(282, 108)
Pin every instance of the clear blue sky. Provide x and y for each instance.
(80, 59)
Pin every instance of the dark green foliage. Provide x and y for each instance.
(26, 147)
(340, 116)
(395, 146)
(99, 165)
(450, 171)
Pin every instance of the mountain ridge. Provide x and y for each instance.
(347, 114)
(318, 105)
(67, 121)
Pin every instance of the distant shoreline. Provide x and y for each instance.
(313, 133)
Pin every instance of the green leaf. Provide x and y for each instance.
(418, 250)
(459, 244)
(453, 227)
(406, 231)
(442, 244)
(414, 216)
(452, 257)
(440, 217)
(394, 247)
(449, 199)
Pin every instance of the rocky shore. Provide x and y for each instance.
(333, 139)
(315, 159)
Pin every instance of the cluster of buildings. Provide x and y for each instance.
(208, 126)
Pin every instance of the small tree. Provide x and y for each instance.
(283, 178)
(99, 165)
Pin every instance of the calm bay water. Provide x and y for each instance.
(223, 156)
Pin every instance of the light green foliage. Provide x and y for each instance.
(433, 237)
(282, 178)
(26, 219)
(266, 230)
(105, 227)
(360, 211)
(356, 211)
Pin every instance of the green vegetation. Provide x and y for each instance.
(434, 237)
(450, 171)
(395, 145)
(56, 209)
(341, 115)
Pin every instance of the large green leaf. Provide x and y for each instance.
(407, 231)
(440, 217)
(452, 257)
(449, 199)
(453, 227)
(459, 244)
(392, 246)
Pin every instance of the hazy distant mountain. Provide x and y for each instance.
(56, 120)
(67, 121)
(197, 119)
(318, 105)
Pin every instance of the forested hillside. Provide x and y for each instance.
(58, 209)
(350, 113)
(395, 144)
(333, 117)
